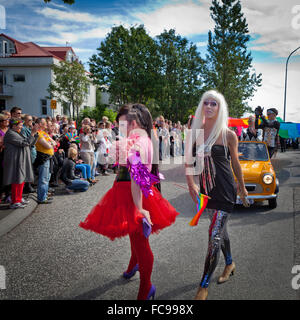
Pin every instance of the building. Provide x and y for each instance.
(25, 74)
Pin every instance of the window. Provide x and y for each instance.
(5, 47)
(44, 106)
(19, 77)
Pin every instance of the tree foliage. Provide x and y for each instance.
(181, 75)
(97, 112)
(127, 63)
(163, 73)
(228, 63)
(70, 85)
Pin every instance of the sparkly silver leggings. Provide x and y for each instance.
(217, 238)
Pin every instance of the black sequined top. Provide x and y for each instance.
(223, 194)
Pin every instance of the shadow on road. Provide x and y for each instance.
(179, 291)
(97, 292)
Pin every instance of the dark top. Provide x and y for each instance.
(123, 174)
(223, 194)
(68, 171)
(270, 129)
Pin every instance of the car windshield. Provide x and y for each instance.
(253, 151)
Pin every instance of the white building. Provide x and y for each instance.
(25, 74)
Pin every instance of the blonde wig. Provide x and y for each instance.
(203, 148)
(221, 125)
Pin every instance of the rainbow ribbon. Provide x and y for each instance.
(202, 202)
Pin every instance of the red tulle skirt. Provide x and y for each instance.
(116, 215)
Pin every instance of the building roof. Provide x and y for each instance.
(31, 49)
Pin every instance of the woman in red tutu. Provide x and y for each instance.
(133, 206)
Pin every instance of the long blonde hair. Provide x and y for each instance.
(220, 127)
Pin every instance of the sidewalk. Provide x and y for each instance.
(10, 218)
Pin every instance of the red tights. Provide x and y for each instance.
(16, 192)
(141, 253)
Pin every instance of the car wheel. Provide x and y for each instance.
(272, 203)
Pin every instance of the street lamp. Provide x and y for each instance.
(286, 69)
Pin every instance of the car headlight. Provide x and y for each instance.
(268, 178)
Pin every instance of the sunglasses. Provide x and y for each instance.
(212, 103)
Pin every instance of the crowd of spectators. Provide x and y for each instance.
(171, 137)
(41, 154)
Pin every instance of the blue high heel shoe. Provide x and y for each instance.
(151, 293)
(128, 275)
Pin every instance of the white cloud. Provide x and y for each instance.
(271, 93)
(186, 18)
(65, 15)
(272, 21)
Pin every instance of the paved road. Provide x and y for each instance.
(49, 257)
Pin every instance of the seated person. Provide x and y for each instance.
(68, 174)
(84, 168)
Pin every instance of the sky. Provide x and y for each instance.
(274, 27)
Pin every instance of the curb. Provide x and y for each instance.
(14, 218)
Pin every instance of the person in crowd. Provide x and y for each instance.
(103, 152)
(214, 159)
(70, 137)
(139, 210)
(172, 135)
(104, 120)
(72, 182)
(251, 134)
(17, 161)
(84, 168)
(63, 124)
(58, 118)
(115, 130)
(45, 151)
(164, 133)
(57, 162)
(64, 129)
(7, 113)
(4, 126)
(16, 112)
(108, 127)
(270, 128)
(282, 144)
(87, 139)
(26, 132)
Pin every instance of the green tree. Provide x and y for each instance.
(127, 63)
(181, 75)
(228, 63)
(70, 85)
(96, 112)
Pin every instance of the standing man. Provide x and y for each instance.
(270, 128)
(45, 151)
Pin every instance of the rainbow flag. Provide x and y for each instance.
(202, 202)
(73, 136)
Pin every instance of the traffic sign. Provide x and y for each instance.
(53, 104)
